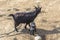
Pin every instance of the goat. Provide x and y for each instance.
(25, 17)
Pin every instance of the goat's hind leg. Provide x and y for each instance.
(16, 28)
(26, 26)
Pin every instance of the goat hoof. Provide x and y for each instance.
(17, 31)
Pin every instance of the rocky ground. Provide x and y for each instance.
(47, 22)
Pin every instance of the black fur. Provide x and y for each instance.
(25, 17)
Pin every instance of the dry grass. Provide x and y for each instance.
(47, 20)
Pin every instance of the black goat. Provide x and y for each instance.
(25, 17)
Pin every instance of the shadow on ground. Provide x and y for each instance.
(41, 32)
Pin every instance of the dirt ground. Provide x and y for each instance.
(47, 22)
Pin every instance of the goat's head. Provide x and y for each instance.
(38, 9)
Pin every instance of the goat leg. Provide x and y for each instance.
(16, 28)
(25, 26)
(35, 29)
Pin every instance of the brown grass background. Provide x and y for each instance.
(48, 21)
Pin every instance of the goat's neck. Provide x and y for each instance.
(35, 14)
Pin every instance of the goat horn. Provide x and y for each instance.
(35, 7)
